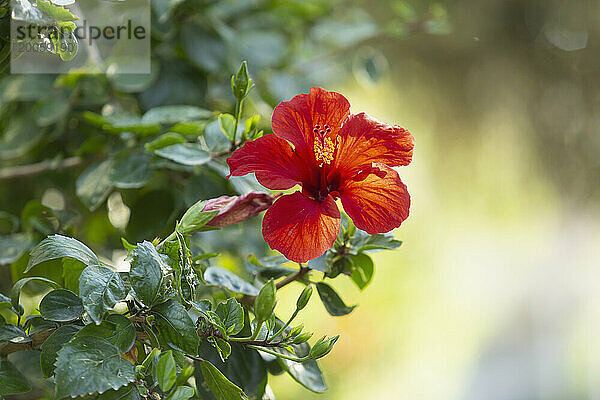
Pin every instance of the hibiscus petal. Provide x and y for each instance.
(294, 120)
(376, 200)
(274, 162)
(301, 228)
(364, 140)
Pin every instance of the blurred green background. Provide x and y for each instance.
(494, 293)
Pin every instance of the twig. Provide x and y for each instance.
(20, 171)
(297, 276)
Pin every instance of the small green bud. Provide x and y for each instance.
(322, 347)
(265, 301)
(240, 83)
(150, 319)
(296, 331)
(302, 337)
(153, 354)
(304, 297)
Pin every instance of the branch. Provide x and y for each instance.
(20, 171)
(297, 276)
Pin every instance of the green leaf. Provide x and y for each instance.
(51, 110)
(146, 274)
(232, 315)
(181, 393)
(332, 301)
(128, 392)
(100, 288)
(115, 329)
(20, 136)
(174, 114)
(244, 367)
(265, 301)
(88, 365)
(58, 246)
(223, 347)
(227, 124)
(307, 373)
(222, 388)
(166, 373)
(362, 270)
(362, 241)
(61, 305)
(164, 140)
(218, 276)
(131, 171)
(55, 12)
(52, 345)
(13, 334)
(184, 153)
(94, 185)
(11, 380)
(13, 246)
(18, 286)
(35, 324)
(72, 270)
(176, 327)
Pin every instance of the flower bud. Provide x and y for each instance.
(235, 209)
(265, 301)
(302, 338)
(296, 331)
(322, 347)
(304, 297)
(240, 83)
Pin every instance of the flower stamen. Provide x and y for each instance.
(323, 145)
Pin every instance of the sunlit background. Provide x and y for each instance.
(494, 294)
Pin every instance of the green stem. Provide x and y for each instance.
(238, 113)
(280, 331)
(292, 358)
(256, 331)
(172, 236)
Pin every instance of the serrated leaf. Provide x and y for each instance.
(146, 275)
(128, 392)
(184, 153)
(94, 185)
(363, 270)
(61, 305)
(116, 329)
(58, 246)
(52, 345)
(332, 301)
(100, 288)
(166, 373)
(174, 114)
(176, 327)
(88, 365)
(11, 380)
(219, 385)
(232, 316)
(218, 276)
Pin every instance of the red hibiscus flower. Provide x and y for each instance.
(332, 154)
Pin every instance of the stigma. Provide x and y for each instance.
(323, 145)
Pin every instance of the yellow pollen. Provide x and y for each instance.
(324, 150)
